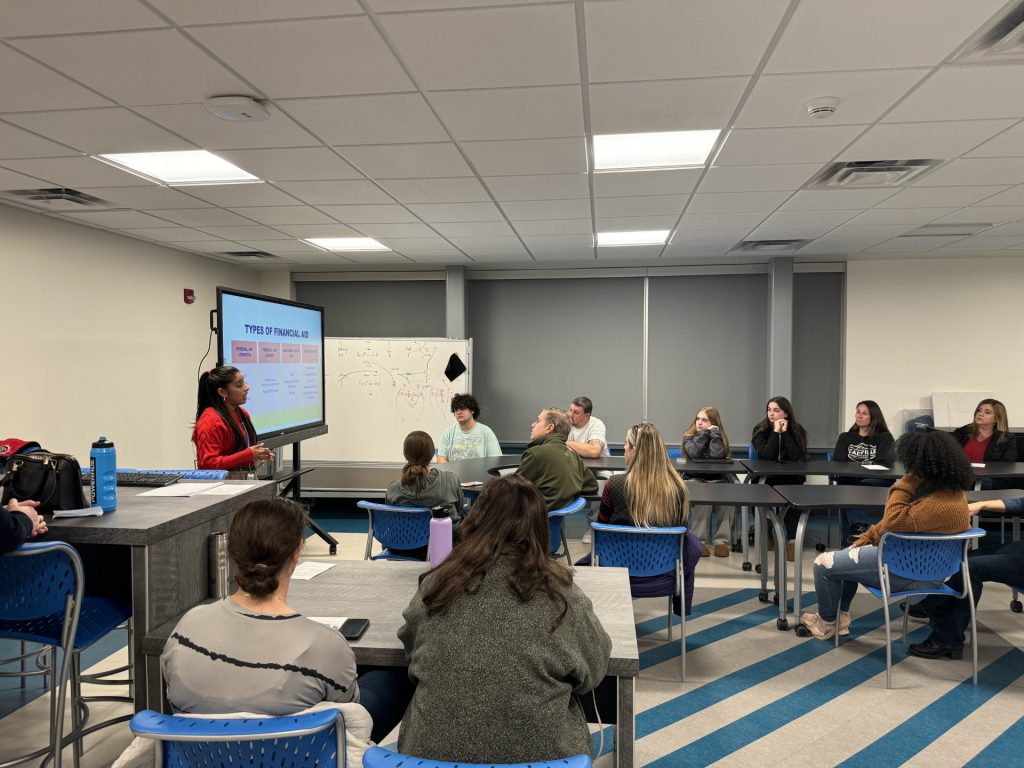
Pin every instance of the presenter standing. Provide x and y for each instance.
(224, 435)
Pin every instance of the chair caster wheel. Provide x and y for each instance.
(757, 567)
(763, 595)
(748, 567)
(775, 598)
(1016, 606)
(782, 625)
(802, 631)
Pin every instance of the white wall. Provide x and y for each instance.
(98, 339)
(917, 326)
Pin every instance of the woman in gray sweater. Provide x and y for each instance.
(500, 641)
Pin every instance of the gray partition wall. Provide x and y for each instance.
(817, 356)
(541, 342)
(378, 309)
(707, 345)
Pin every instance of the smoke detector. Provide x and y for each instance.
(821, 108)
(236, 109)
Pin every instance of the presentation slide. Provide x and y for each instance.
(279, 348)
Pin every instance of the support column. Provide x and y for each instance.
(455, 302)
(780, 330)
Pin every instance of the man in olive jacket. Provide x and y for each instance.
(549, 464)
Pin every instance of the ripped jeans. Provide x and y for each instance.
(837, 574)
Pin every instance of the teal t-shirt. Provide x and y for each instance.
(477, 443)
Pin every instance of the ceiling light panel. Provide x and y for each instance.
(347, 243)
(648, 237)
(180, 168)
(667, 149)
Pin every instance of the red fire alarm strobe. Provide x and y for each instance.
(190, 296)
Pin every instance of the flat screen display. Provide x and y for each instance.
(278, 346)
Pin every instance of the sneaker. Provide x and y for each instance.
(721, 550)
(821, 629)
(706, 552)
(844, 623)
(586, 537)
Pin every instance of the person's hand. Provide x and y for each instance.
(781, 425)
(976, 507)
(261, 453)
(28, 509)
(712, 428)
(777, 425)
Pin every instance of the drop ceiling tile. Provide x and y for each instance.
(483, 48)
(205, 12)
(639, 206)
(523, 158)
(97, 131)
(304, 164)
(684, 245)
(438, 257)
(59, 17)
(1007, 229)
(209, 246)
(117, 219)
(201, 127)
(392, 6)
(320, 57)
(836, 199)
(876, 34)
(166, 234)
(737, 202)
(853, 239)
(636, 223)
(942, 141)
(561, 246)
(897, 216)
(664, 105)
(236, 195)
(376, 257)
(554, 227)
(491, 248)
(385, 119)
(757, 178)
(986, 242)
(927, 197)
(12, 180)
(201, 217)
(336, 192)
(150, 196)
(721, 221)
(475, 229)
(979, 171)
(547, 209)
(1012, 196)
(407, 161)
(132, 67)
(75, 172)
(369, 214)
(900, 244)
(781, 100)
(280, 246)
(792, 224)
(663, 39)
(448, 212)
(410, 230)
(1007, 144)
(15, 142)
(555, 186)
(248, 232)
(303, 231)
(981, 92)
(681, 182)
(273, 215)
(757, 146)
(467, 190)
(28, 85)
(990, 214)
(319, 259)
(418, 244)
(511, 113)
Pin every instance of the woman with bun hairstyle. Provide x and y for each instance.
(223, 434)
(706, 439)
(253, 652)
(988, 438)
(868, 441)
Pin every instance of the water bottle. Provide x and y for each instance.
(103, 462)
(440, 542)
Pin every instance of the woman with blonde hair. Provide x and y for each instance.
(706, 439)
(988, 438)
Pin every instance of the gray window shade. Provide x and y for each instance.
(708, 345)
(817, 347)
(381, 309)
(539, 343)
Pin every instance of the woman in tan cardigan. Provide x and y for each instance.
(929, 498)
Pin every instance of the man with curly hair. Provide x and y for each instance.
(467, 438)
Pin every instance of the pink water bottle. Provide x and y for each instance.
(440, 542)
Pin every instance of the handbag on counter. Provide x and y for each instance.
(52, 479)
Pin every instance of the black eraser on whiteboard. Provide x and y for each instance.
(455, 368)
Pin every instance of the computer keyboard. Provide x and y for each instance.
(141, 479)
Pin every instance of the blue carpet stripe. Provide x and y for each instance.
(1004, 750)
(913, 735)
(700, 609)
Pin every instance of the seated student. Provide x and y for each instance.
(19, 522)
(650, 494)
(467, 438)
(950, 617)
(928, 499)
(224, 435)
(500, 642)
(988, 438)
(252, 652)
(868, 441)
(548, 463)
(706, 439)
(779, 437)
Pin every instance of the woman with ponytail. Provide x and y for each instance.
(421, 485)
(223, 434)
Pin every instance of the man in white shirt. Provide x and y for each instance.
(587, 436)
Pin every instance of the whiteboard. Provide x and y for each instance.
(380, 390)
(954, 409)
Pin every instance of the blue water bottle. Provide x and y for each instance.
(103, 462)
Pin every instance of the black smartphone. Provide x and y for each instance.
(353, 629)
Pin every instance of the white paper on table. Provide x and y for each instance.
(181, 489)
(334, 622)
(84, 512)
(873, 466)
(227, 490)
(978, 466)
(307, 570)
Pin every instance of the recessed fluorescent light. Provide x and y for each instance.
(180, 168)
(650, 237)
(668, 149)
(347, 243)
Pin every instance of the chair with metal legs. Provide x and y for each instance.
(556, 526)
(395, 527)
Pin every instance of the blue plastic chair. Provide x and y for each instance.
(556, 526)
(377, 757)
(646, 552)
(932, 557)
(316, 739)
(675, 453)
(395, 528)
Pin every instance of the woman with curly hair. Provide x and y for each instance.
(500, 642)
(929, 498)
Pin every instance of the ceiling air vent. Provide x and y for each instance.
(947, 230)
(769, 246)
(247, 255)
(1003, 40)
(859, 174)
(55, 198)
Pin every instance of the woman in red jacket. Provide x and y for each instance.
(224, 435)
